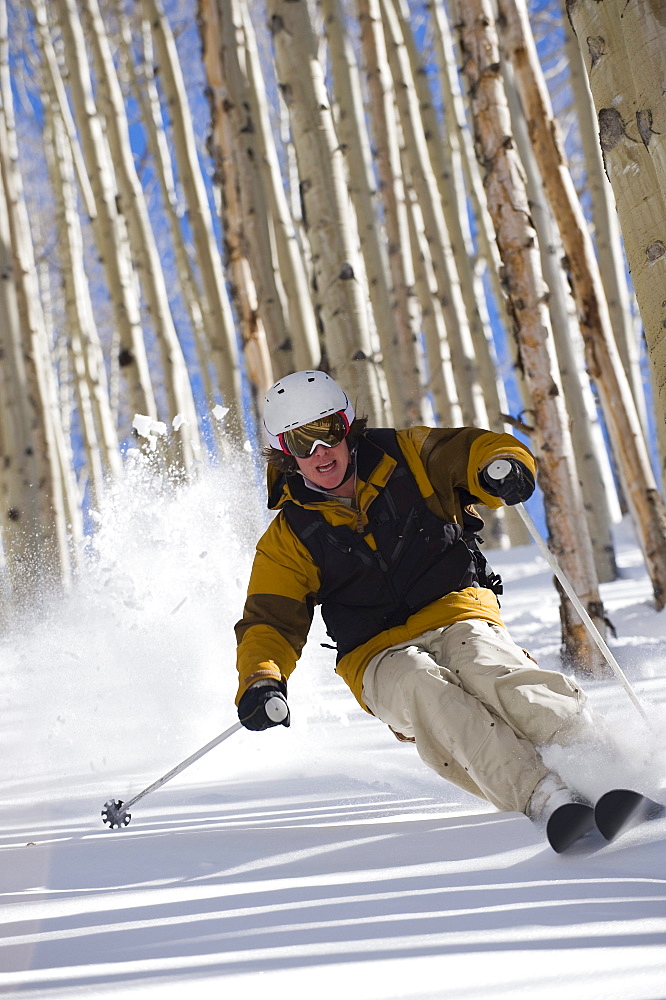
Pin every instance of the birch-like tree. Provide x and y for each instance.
(327, 214)
(217, 314)
(418, 167)
(99, 434)
(526, 301)
(623, 47)
(607, 234)
(44, 515)
(400, 353)
(242, 204)
(603, 361)
(27, 536)
(140, 71)
(108, 225)
(441, 382)
(453, 201)
(175, 377)
(579, 404)
(386, 148)
(305, 347)
(460, 140)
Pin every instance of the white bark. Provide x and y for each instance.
(623, 48)
(516, 238)
(44, 517)
(327, 218)
(90, 384)
(440, 383)
(386, 147)
(147, 96)
(184, 444)
(607, 235)
(603, 362)
(401, 360)
(416, 157)
(462, 149)
(454, 205)
(108, 226)
(593, 471)
(241, 203)
(305, 349)
(217, 316)
(19, 502)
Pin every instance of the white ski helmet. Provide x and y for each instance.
(299, 398)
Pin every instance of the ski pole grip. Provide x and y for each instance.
(498, 470)
(276, 709)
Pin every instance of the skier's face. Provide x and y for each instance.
(326, 467)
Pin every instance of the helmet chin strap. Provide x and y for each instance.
(351, 468)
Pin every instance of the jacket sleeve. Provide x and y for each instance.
(453, 457)
(278, 609)
(487, 448)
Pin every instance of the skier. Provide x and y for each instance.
(377, 526)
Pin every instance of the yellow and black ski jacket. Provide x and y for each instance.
(385, 569)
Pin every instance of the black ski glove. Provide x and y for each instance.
(514, 484)
(252, 710)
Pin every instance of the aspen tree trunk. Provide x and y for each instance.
(603, 362)
(237, 154)
(460, 139)
(507, 201)
(326, 209)
(401, 361)
(217, 316)
(454, 209)
(98, 430)
(607, 236)
(502, 526)
(389, 169)
(66, 162)
(416, 156)
(305, 349)
(147, 96)
(623, 48)
(591, 475)
(20, 513)
(463, 160)
(108, 225)
(56, 88)
(256, 232)
(42, 517)
(441, 383)
(240, 198)
(184, 443)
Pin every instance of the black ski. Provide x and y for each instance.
(568, 823)
(621, 809)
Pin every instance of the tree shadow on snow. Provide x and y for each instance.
(266, 875)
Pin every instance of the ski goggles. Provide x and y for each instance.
(302, 441)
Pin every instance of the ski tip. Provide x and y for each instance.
(620, 809)
(114, 815)
(568, 824)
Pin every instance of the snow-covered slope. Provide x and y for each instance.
(324, 860)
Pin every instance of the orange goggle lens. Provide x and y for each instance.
(302, 441)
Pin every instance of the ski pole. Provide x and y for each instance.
(498, 470)
(115, 812)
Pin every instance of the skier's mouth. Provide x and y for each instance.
(324, 469)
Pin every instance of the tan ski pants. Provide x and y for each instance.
(477, 707)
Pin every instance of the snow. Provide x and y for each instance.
(148, 428)
(321, 860)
